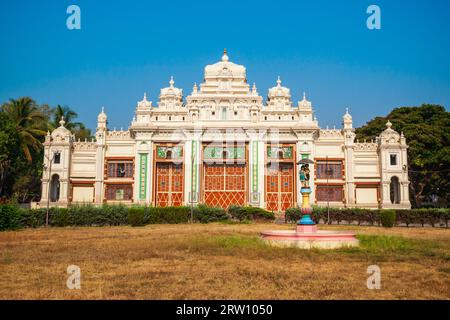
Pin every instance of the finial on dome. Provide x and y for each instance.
(346, 110)
(304, 96)
(103, 109)
(278, 81)
(195, 87)
(145, 96)
(254, 88)
(389, 124)
(62, 122)
(225, 55)
(171, 82)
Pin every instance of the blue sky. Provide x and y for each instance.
(125, 48)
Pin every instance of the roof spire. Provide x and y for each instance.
(278, 81)
(171, 82)
(225, 55)
(62, 122)
(304, 95)
(389, 124)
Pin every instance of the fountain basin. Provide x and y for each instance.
(321, 239)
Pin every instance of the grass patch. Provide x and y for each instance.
(219, 261)
(388, 247)
(226, 243)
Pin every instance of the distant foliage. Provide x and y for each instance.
(433, 217)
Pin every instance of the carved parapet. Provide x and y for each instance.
(118, 135)
(85, 145)
(365, 146)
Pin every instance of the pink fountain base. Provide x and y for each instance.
(308, 237)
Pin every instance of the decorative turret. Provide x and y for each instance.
(389, 135)
(102, 123)
(254, 91)
(347, 120)
(102, 119)
(279, 97)
(304, 103)
(144, 103)
(170, 98)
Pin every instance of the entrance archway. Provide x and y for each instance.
(395, 190)
(54, 188)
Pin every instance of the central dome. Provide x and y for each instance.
(225, 69)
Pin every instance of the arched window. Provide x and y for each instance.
(280, 154)
(169, 154)
(224, 113)
(395, 190)
(54, 188)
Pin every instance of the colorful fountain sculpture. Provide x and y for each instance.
(306, 235)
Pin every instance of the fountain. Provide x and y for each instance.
(306, 235)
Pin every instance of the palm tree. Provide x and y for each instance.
(29, 122)
(69, 117)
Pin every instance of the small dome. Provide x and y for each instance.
(102, 117)
(171, 90)
(279, 90)
(144, 103)
(61, 131)
(347, 116)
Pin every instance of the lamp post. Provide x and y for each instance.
(50, 160)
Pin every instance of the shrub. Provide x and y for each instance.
(249, 213)
(205, 214)
(33, 218)
(154, 215)
(9, 217)
(387, 218)
(293, 214)
(136, 216)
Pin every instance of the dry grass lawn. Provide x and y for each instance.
(219, 261)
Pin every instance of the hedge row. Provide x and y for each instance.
(13, 217)
(433, 217)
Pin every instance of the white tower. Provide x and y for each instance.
(57, 161)
(394, 168)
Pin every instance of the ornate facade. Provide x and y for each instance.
(224, 145)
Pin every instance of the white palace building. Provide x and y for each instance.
(223, 145)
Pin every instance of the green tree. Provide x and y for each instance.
(427, 132)
(77, 128)
(69, 116)
(8, 149)
(29, 122)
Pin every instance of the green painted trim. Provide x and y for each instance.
(194, 167)
(143, 176)
(255, 167)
